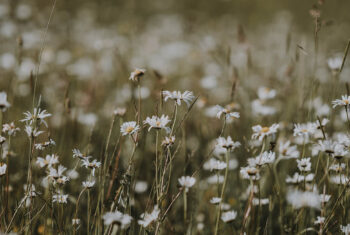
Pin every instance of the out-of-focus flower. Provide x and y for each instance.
(148, 218)
(117, 217)
(93, 165)
(265, 93)
(228, 216)
(187, 182)
(177, 96)
(4, 105)
(299, 199)
(227, 143)
(60, 198)
(49, 160)
(344, 101)
(37, 115)
(260, 132)
(136, 75)
(3, 168)
(304, 164)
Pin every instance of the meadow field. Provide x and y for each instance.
(174, 117)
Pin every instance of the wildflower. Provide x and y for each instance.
(42, 146)
(344, 101)
(227, 143)
(335, 63)
(158, 122)
(327, 146)
(260, 201)
(250, 172)
(260, 109)
(265, 158)
(75, 221)
(3, 168)
(340, 151)
(10, 128)
(49, 161)
(92, 165)
(337, 167)
(141, 186)
(215, 179)
(3, 102)
(339, 179)
(57, 175)
(215, 200)
(187, 182)
(60, 198)
(319, 220)
(88, 184)
(2, 140)
(137, 74)
(221, 110)
(168, 141)
(299, 199)
(32, 132)
(129, 128)
(214, 164)
(305, 129)
(345, 229)
(304, 164)
(297, 178)
(38, 115)
(324, 198)
(117, 217)
(78, 154)
(260, 132)
(148, 218)
(120, 111)
(286, 151)
(228, 216)
(177, 96)
(265, 93)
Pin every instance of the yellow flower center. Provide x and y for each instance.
(158, 123)
(346, 101)
(304, 130)
(129, 129)
(265, 129)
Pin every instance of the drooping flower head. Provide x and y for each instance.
(177, 96)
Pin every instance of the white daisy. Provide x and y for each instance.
(344, 101)
(335, 63)
(4, 105)
(37, 115)
(265, 93)
(93, 165)
(49, 160)
(129, 128)
(148, 218)
(213, 164)
(228, 114)
(137, 74)
(260, 132)
(10, 129)
(88, 184)
(158, 122)
(227, 143)
(187, 181)
(287, 151)
(299, 199)
(60, 198)
(304, 164)
(177, 96)
(228, 216)
(215, 200)
(3, 168)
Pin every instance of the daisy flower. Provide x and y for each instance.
(177, 96)
(228, 216)
(215, 200)
(345, 229)
(137, 74)
(157, 122)
(335, 63)
(92, 165)
(265, 93)
(117, 217)
(129, 128)
(49, 160)
(10, 129)
(60, 198)
(88, 184)
(213, 164)
(260, 132)
(187, 182)
(37, 115)
(148, 218)
(319, 220)
(3, 168)
(299, 199)
(4, 105)
(168, 141)
(304, 129)
(344, 101)
(304, 164)
(228, 114)
(32, 132)
(227, 143)
(287, 151)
